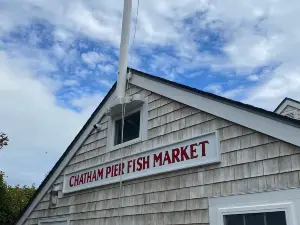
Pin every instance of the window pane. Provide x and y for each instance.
(276, 218)
(254, 219)
(234, 219)
(268, 218)
(118, 127)
(131, 128)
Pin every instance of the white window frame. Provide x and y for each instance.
(53, 220)
(283, 200)
(143, 108)
(285, 206)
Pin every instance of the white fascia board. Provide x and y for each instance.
(287, 103)
(236, 115)
(66, 160)
(252, 198)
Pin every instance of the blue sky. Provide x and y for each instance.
(58, 59)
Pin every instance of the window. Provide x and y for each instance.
(265, 208)
(131, 128)
(266, 218)
(135, 127)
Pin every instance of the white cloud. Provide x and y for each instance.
(158, 22)
(39, 129)
(82, 72)
(100, 21)
(219, 90)
(253, 77)
(264, 33)
(285, 81)
(92, 58)
(261, 33)
(108, 68)
(59, 51)
(106, 83)
(71, 83)
(88, 102)
(233, 93)
(214, 88)
(63, 35)
(250, 50)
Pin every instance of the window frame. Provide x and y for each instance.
(283, 207)
(118, 117)
(143, 108)
(253, 203)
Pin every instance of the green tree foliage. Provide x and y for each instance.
(3, 140)
(12, 200)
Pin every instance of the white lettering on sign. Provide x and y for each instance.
(189, 153)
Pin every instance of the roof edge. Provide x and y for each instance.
(237, 104)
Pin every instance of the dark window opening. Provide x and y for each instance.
(131, 128)
(267, 218)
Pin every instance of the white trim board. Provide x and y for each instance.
(236, 115)
(53, 220)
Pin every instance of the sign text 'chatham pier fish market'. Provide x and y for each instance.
(189, 153)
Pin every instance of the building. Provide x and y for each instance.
(289, 107)
(187, 157)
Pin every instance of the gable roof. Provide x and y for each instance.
(171, 90)
(251, 108)
(285, 102)
(249, 116)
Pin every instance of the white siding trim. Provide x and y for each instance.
(242, 117)
(66, 160)
(53, 220)
(283, 200)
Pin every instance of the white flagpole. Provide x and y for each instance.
(124, 46)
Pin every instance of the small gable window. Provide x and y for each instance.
(134, 126)
(131, 128)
